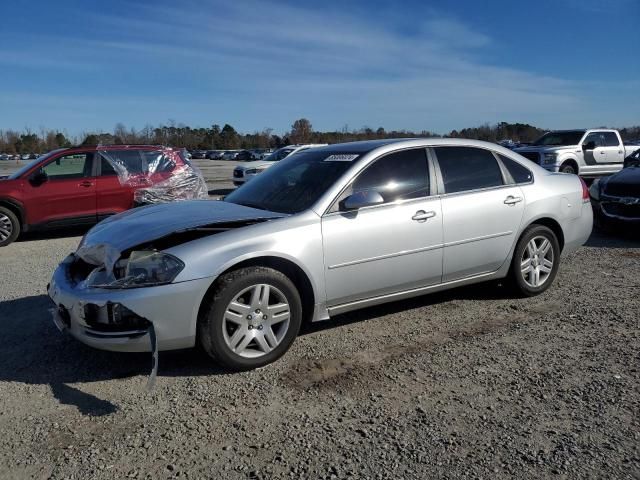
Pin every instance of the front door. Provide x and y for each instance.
(481, 212)
(386, 248)
(597, 154)
(67, 194)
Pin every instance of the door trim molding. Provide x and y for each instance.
(477, 239)
(383, 257)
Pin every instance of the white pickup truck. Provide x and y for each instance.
(589, 153)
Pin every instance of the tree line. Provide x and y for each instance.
(227, 138)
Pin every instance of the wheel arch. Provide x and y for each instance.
(550, 223)
(16, 207)
(572, 161)
(286, 266)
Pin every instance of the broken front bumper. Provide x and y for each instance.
(119, 319)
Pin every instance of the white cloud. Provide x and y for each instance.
(263, 63)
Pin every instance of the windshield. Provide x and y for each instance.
(557, 139)
(279, 154)
(25, 168)
(294, 184)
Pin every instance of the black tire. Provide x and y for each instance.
(9, 227)
(569, 167)
(519, 283)
(228, 286)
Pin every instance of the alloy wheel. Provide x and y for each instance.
(256, 321)
(6, 227)
(537, 260)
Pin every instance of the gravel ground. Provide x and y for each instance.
(467, 383)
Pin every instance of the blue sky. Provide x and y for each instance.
(86, 65)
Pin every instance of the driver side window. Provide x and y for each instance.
(398, 176)
(594, 137)
(69, 166)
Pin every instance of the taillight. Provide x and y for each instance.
(585, 191)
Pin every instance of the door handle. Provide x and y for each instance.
(86, 184)
(422, 216)
(511, 200)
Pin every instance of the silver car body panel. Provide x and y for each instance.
(352, 259)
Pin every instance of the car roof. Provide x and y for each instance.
(118, 147)
(366, 146)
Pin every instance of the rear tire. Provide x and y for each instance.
(251, 318)
(9, 227)
(535, 261)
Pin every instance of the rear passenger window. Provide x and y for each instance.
(106, 169)
(611, 139)
(519, 173)
(468, 168)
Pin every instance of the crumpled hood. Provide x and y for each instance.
(145, 224)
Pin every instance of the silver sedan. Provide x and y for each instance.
(324, 232)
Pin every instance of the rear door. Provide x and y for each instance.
(613, 147)
(114, 195)
(386, 248)
(68, 196)
(481, 211)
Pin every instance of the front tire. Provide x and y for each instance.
(9, 227)
(568, 167)
(251, 318)
(535, 260)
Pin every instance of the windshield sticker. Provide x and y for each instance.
(341, 158)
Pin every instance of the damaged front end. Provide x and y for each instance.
(119, 291)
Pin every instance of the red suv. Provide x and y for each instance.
(83, 185)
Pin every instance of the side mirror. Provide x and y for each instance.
(38, 178)
(361, 199)
(589, 146)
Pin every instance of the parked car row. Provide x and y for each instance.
(240, 155)
(17, 156)
(244, 173)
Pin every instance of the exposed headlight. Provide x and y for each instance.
(550, 158)
(147, 268)
(594, 190)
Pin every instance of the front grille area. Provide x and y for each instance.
(622, 210)
(622, 190)
(533, 156)
(237, 173)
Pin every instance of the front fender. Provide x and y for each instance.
(297, 240)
